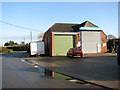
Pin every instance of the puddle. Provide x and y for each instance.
(36, 66)
(26, 61)
(64, 77)
(52, 74)
(87, 84)
(46, 73)
(49, 73)
(22, 60)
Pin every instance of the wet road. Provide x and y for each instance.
(18, 74)
(102, 70)
(98, 68)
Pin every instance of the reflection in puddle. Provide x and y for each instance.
(87, 84)
(63, 77)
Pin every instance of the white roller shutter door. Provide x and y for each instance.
(91, 41)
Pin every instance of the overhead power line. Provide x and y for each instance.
(19, 26)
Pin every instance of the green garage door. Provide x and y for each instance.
(62, 43)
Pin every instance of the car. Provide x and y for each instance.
(118, 55)
(75, 52)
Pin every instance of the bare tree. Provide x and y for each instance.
(110, 36)
(41, 36)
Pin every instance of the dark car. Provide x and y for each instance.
(118, 55)
(75, 52)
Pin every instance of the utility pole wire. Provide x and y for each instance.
(19, 26)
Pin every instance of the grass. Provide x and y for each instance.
(8, 52)
(2, 53)
(13, 52)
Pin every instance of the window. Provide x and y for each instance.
(70, 49)
(77, 49)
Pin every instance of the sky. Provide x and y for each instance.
(41, 16)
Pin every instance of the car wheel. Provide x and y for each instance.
(81, 56)
(72, 56)
(36, 55)
(67, 55)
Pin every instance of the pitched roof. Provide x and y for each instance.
(63, 27)
(87, 24)
(67, 27)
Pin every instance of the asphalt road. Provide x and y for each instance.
(92, 68)
(102, 70)
(18, 74)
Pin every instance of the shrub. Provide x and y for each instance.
(4, 50)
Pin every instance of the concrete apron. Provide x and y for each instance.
(99, 54)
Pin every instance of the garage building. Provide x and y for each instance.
(62, 36)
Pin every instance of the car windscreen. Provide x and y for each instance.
(77, 49)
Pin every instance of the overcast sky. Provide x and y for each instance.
(40, 16)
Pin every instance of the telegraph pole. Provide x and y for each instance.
(24, 39)
(31, 36)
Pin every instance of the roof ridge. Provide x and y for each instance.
(68, 23)
(89, 22)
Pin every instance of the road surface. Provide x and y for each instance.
(102, 70)
(18, 74)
